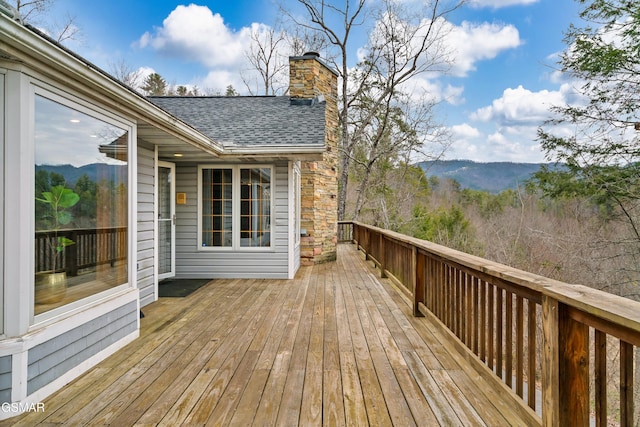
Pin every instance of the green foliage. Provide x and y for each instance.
(603, 152)
(87, 190)
(604, 186)
(231, 91)
(58, 201)
(488, 204)
(155, 85)
(444, 226)
(605, 55)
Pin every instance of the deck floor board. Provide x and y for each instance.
(335, 346)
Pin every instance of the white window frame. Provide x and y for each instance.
(2, 197)
(235, 209)
(297, 197)
(41, 89)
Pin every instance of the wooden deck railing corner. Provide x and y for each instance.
(533, 333)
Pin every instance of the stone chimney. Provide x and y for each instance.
(310, 78)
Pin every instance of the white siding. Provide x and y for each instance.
(192, 263)
(146, 233)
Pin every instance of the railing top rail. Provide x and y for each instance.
(610, 307)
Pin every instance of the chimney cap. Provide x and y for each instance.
(314, 54)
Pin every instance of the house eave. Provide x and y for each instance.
(21, 45)
(289, 152)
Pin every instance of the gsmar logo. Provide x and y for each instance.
(21, 407)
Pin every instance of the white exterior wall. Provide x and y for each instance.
(271, 263)
(146, 225)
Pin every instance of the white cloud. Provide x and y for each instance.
(511, 144)
(421, 88)
(194, 33)
(471, 43)
(507, 129)
(464, 131)
(497, 4)
(520, 106)
(216, 82)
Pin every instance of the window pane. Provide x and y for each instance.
(81, 211)
(217, 193)
(255, 205)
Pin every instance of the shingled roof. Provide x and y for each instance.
(250, 120)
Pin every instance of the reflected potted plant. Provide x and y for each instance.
(51, 285)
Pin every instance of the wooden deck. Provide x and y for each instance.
(336, 346)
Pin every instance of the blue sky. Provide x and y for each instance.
(497, 94)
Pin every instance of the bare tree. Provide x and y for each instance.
(404, 132)
(301, 40)
(402, 46)
(336, 22)
(33, 11)
(267, 61)
(126, 74)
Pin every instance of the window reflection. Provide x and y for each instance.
(81, 196)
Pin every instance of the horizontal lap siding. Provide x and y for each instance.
(146, 198)
(5, 379)
(54, 358)
(191, 263)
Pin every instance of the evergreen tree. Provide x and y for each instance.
(155, 85)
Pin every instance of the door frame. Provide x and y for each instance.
(172, 198)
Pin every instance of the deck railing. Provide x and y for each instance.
(91, 247)
(547, 341)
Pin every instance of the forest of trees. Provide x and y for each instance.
(96, 200)
(579, 239)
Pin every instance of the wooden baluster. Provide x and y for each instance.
(483, 321)
(476, 310)
(519, 345)
(418, 277)
(499, 328)
(531, 323)
(626, 384)
(600, 378)
(509, 339)
(490, 327)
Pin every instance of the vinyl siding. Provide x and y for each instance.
(5, 379)
(57, 356)
(146, 199)
(192, 263)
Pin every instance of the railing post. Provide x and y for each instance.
(71, 255)
(574, 371)
(565, 367)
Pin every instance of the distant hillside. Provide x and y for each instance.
(95, 171)
(493, 177)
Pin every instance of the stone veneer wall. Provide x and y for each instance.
(308, 78)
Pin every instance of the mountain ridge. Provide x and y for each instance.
(493, 177)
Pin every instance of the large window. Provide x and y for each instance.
(235, 207)
(81, 204)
